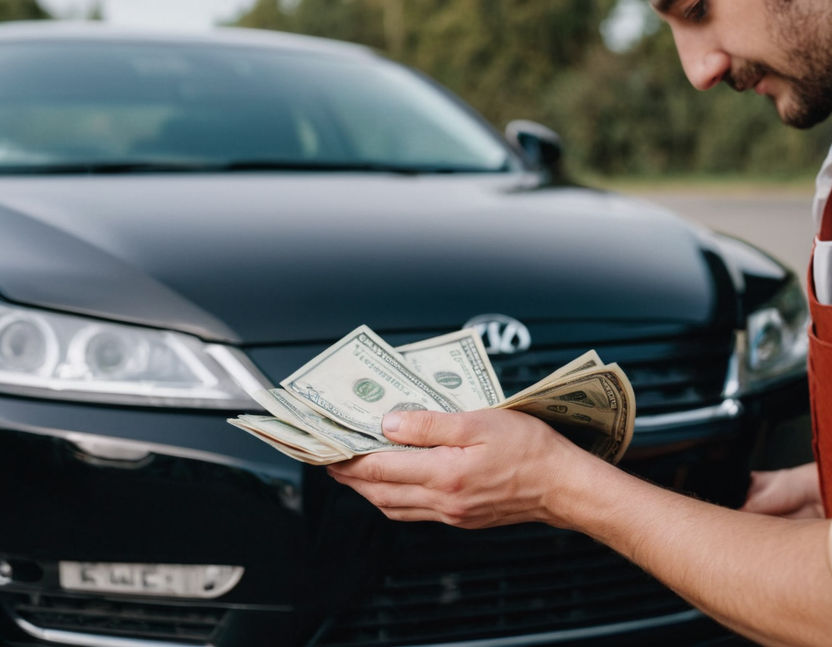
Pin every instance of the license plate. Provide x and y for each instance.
(167, 580)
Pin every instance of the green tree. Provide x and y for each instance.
(266, 14)
(96, 12)
(21, 10)
(497, 54)
(637, 113)
(630, 113)
(359, 21)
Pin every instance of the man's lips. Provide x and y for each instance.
(747, 76)
(760, 85)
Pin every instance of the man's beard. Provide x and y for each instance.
(812, 104)
(805, 33)
(809, 59)
(810, 99)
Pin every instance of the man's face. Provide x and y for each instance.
(779, 48)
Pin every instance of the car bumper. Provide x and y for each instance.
(322, 567)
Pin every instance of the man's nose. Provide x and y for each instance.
(704, 65)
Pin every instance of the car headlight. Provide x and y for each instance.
(774, 343)
(74, 358)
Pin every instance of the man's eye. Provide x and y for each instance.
(697, 12)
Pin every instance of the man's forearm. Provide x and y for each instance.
(765, 577)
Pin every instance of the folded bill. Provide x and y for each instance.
(594, 407)
(289, 440)
(331, 408)
(360, 378)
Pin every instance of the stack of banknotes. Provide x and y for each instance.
(331, 408)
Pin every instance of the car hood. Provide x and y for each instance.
(268, 258)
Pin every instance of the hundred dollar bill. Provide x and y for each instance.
(588, 360)
(331, 408)
(459, 366)
(294, 412)
(359, 379)
(595, 408)
(291, 441)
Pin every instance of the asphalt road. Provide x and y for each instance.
(778, 222)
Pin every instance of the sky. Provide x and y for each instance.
(627, 23)
(162, 14)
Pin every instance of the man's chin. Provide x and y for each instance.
(799, 104)
(804, 121)
(801, 115)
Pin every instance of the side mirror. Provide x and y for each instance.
(537, 143)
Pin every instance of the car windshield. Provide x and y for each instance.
(124, 107)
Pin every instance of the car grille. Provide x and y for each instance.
(677, 374)
(511, 581)
(442, 584)
(669, 372)
(82, 615)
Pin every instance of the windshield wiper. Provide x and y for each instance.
(118, 167)
(102, 168)
(360, 167)
(320, 167)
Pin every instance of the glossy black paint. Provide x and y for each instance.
(245, 258)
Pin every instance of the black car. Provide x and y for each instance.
(185, 218)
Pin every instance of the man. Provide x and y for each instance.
(767, 577)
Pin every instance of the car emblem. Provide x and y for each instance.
(500, 334)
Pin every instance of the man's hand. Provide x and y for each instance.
(792, 493)
(484, 468)
(494, 467)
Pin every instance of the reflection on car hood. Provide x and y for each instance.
(247, 258)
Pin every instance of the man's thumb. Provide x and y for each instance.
(424, 428)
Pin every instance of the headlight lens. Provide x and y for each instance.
(74, 358)
(775, 342)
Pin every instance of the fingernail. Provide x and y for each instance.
(390, 423)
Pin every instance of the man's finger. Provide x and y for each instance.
(430, 514)
(761, 480)
(389, 496)
(412, 514)
(420, 466)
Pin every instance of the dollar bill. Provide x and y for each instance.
(287, 439)
(459, 367)
(587, 361)
(331, 408)
(595, 408)
(294, 412)
(359, 379)
(305, 447)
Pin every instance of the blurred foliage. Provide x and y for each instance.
(21, 10)
(636, 113)
(96, 12)
(619, 113)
